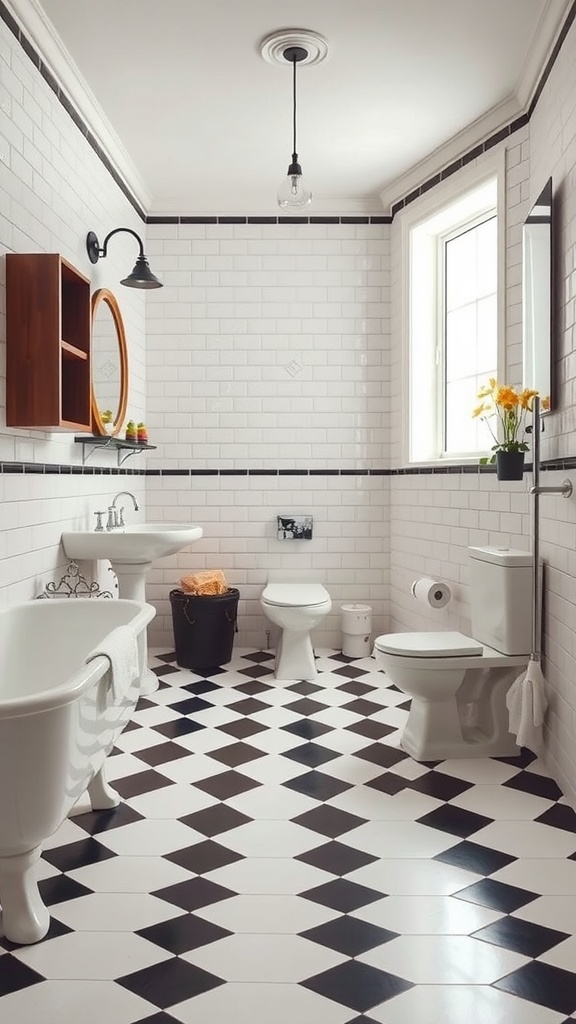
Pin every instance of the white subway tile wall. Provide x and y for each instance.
(279, 347)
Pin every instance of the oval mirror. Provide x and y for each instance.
(109, 364)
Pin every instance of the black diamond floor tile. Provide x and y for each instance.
(538, 785)
(543, 984)
(165, 670)
(194, 893)
(60, 889)
(213, 820)
(77, 855)
(158, 1018)
(190, 705)
(140, 782)
(162, 753)
(201, 686)
(236, 753)
(56, 929)
(520, 936)
(455, 820)
(371, 729)
(311, 754)
(350, 672)
(226, 785)
(304, 687)
(307, 729)
(388, 783)
(439, 785)
(496, 895)
(259, 656)
(356, 687)
(349, 935)
(94, 822)
(169, 982)
(472, 857)
(14, 975)
(249, 706)
(379, 753)
(257, 671)
(342, 895)
(361, 706)
(559, 816)
(306, 706)
(336, 858)
(204, 857)
(242, 728)
(179, 727)
(329, 821)
(317, 785)
(357, 985)
(253, 686)
(181, 934)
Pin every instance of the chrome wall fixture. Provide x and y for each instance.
(295, 46)
(141, 276)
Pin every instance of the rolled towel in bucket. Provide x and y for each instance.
(211, 581)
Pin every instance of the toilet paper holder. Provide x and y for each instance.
(434, 593)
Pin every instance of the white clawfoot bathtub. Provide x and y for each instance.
(58, 721)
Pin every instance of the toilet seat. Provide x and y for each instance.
(429, 645)
(294, 595)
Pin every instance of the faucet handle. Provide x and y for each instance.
(98, 528)
(120, 518)
(110, 524)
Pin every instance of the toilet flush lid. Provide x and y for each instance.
(295, 595)
(428, 645)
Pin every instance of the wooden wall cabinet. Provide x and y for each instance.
(48, 369)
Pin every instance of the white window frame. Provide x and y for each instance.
(435, 213)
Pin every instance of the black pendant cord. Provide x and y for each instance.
(294, 153)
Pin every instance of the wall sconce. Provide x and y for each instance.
(141, 276)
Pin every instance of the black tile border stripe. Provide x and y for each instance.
(40, 468)
(452, 168)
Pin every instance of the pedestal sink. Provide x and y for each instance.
(132, 552)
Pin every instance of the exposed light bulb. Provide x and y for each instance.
(294, 192)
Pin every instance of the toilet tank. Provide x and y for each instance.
(501, 598)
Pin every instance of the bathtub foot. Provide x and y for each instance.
(149, 683)
(101, 794)
(25, 919)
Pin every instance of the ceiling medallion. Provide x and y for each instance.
(273, 46)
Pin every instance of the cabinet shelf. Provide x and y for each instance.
(48, 379)
(124, 449)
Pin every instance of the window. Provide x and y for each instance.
(453, 323)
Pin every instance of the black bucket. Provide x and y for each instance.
(204, 627)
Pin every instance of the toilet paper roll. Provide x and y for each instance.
(431, 592)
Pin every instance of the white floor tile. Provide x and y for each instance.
(264, 958)
(147, 839)
(478, 770)
(139, 739)
(68, 832)
(443, 960)
(171, 801)
(563, 955)
(190, 769)
(455, 1004)
(130, 874)
(69, 1002)
(274, 769)
(547, 876)
(427, 915)
(273, 914)
(411, 877)
(527, 839)
(352, 770)
(376, 806)
(269, 875)
(502, 803)
(118, 912)
(405, 839)
(93, 956)
(271, 839)
(260, 1004)
(272, 802)
(551, 911)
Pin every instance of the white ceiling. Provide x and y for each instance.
(199, 123)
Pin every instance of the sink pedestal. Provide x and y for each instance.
(132, 585)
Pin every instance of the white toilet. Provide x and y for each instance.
(458, 684)
(297, 608)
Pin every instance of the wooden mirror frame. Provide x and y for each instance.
(98, 427)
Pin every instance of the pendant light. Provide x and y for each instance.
(294, 193)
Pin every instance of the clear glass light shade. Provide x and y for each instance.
(294, 193)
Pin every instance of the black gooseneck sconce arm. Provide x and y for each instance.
(141, 276)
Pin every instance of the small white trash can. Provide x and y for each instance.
(356, 630)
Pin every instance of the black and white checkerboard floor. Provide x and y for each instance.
(278, 857)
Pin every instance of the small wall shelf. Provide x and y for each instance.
(124, 449)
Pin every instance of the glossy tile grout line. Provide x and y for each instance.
(277, 855)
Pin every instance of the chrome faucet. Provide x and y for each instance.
(116, 516)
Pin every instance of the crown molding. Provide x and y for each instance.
(40, 32)
(549, 27)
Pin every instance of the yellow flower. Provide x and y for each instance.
(510, 407)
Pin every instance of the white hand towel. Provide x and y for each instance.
(526, 702)
(121, 649)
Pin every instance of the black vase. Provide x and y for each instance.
(509, 465)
